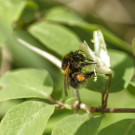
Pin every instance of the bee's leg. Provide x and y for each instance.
(88, 59)
(83, 59)
(89, 75)
(86, 64)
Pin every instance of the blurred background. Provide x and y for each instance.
(117, 15)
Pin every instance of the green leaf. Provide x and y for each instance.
(5, 106)
(0, 56)
(57, 38)
(123, 70)
(131, 88)
(100, 85)
(57, 116)
(90, 97)
(123, 127)
(133, 46)
(28, 118)
(31, 59)
(65, 16)
(25, 83)
(77, 124)
(9, 12)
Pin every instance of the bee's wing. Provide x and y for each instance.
(66, 78)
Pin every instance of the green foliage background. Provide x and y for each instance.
(26, 87)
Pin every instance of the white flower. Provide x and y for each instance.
(99, 55)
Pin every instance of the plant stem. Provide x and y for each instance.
(58, 104)
(77, 104)
(107, 91)
(42, 53)
(103, 96)
(90, 109)
(76, 94)
(115, 110)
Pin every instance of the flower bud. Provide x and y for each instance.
(99, 55)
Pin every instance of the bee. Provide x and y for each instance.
(72, 66)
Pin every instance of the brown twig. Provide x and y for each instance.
(106, 110)
(107, 92)
(115, 110)
(91, 109)
(103, 99)
(57, 104)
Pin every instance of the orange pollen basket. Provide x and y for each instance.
(80, 77)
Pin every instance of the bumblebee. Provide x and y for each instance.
(72, 66)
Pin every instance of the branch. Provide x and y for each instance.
(106, 110)
(105, 97)
(91, 109)
(108, 90)
(57, 103)
(115, 110)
